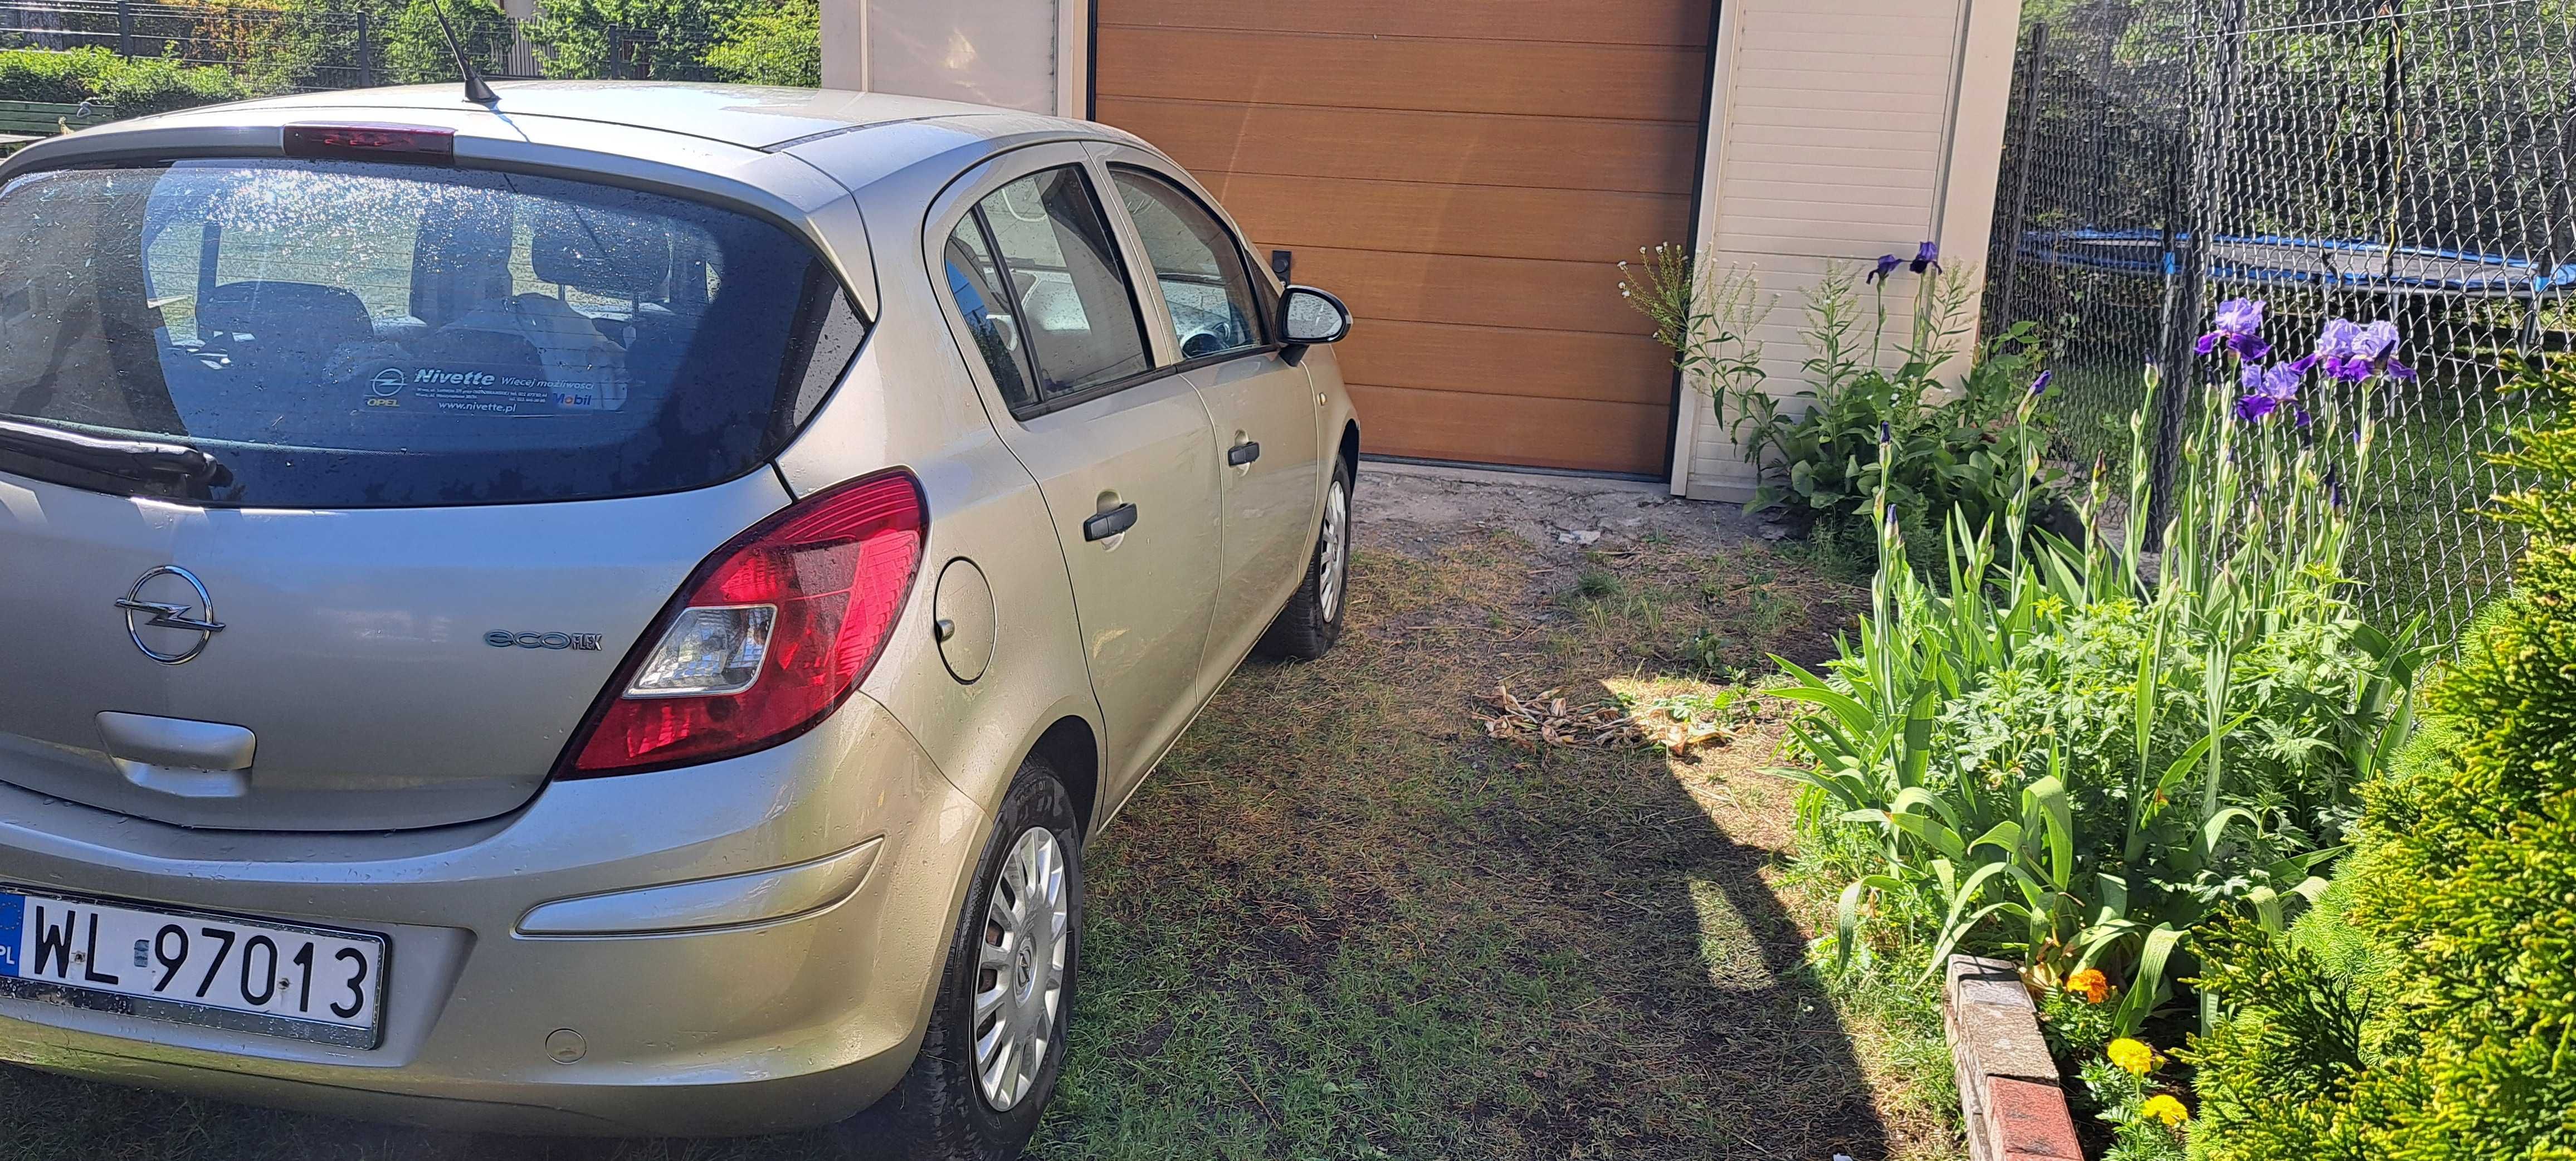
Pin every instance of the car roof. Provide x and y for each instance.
(751, 116)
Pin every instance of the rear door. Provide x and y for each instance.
(1116, 436)
(473, 430)
(1262, 409)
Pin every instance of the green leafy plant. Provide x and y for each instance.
(2145, 1114)
(2079, 754)
(61, 78)
(129, 88)
(1950, 445)
(2076, 1018)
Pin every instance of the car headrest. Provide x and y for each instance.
(300, 314)
(601, 252)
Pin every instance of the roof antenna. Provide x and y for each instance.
(475, 90)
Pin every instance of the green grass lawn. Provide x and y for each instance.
(1345, 922)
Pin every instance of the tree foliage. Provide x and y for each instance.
(773, 46)
(768, 42)
(416, 50)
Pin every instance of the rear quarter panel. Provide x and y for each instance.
(909, 401)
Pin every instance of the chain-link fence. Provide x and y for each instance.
(2362, 159)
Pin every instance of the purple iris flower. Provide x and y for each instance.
(2280, 381)
(2039, 386)
(2334, 487)
(2337, 350)
(2236, 325)
(2267, 388)
(2378, 345)
(1927, 257)
(1887, 264)
(2351, 352)
(1885, 436)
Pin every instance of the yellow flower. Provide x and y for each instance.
(2132, 1055)
(2166, 1109)
(2091, 984)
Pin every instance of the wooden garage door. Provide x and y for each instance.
(1463, 173)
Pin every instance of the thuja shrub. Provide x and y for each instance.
(2457, 958)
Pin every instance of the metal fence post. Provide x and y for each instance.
(2029, 102)
(2208, 155)
(366, 55)
(125, 28)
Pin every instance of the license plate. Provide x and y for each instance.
(245, 975)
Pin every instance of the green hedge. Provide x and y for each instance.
(132, 88)
(2450, 935)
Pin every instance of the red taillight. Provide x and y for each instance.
(787, 619)
(372, 142)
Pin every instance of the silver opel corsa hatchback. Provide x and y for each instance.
(615, 609)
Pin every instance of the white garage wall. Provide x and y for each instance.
(991, 52)
(1841, 130)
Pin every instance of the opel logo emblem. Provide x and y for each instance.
(141, 614)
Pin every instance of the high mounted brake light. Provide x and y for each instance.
(417, 143)
(768, 636)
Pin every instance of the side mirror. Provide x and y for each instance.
(1308, 316)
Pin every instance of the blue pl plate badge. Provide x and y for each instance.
(13, 909)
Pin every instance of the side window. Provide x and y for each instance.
(1198, 265)
(974, 281)
(1074, 308)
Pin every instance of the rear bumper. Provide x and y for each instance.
(783, 1018)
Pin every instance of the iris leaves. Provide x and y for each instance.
(2026, 796)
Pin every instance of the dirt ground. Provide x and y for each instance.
(1407, 508)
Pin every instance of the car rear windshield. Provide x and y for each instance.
(341, 334)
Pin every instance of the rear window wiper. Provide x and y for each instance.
(133, 459)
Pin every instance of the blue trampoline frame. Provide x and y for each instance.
(2518, 277)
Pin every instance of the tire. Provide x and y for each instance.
(1312, 619)
(945, 1108)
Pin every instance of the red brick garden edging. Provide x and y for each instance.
(2008, 1087)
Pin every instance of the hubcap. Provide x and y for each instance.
(1019, 978)
(1328, 586)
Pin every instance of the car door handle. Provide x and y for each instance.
(1110, 523)
(1242, 453)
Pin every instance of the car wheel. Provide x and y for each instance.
(996, 1042)
(1312, 620)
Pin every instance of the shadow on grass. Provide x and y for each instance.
(1343, 922)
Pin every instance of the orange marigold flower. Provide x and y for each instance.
(2091, 984)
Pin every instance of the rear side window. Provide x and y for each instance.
(343, 334)
(975, 281)
(1070, 300)
(1197, 264)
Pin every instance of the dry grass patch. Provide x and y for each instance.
(1353, 917)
